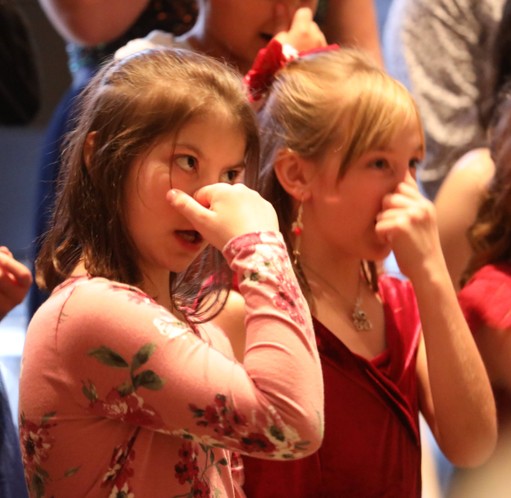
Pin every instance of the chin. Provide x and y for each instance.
(181, 264)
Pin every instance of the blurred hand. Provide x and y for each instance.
(15, 280)
(221, 211)
(304, 33)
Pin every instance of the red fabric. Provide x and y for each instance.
(371, 446)
(268, 61)
(486, 298)
(262, 73)
(486, 303)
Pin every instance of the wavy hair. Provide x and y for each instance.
(490, 234)
(130, 105)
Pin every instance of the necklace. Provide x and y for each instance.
(359, 318)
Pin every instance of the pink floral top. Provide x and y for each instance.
(118, 398)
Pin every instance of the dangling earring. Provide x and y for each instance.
(297, 229)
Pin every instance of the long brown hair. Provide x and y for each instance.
(130, 105)
(490, 234)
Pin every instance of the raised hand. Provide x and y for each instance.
(304, 33)
(221, 211)
(408, 222)
(15, 280)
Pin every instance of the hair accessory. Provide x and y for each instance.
(297, 229)
(268, 61)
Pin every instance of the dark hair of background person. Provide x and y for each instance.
(500, 71)
(20, 92)
(490, 234)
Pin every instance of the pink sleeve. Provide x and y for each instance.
(132, 360)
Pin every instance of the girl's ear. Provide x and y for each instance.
(294, 173)
(88, 148)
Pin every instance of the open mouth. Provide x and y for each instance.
(190, 236)
(266, 36)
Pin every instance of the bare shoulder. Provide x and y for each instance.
(468, 177)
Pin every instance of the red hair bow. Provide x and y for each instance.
(269, 60)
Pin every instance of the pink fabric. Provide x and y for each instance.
(117, 395)
(371, 447)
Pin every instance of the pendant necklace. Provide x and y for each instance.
(359, 318)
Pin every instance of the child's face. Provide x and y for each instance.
(238, 29)
(343, 211)
(207, 150)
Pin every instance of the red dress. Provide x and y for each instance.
(371, 446)
(486, 303)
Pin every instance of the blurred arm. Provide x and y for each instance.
(89, 22)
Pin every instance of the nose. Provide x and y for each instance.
(406, 175)
(206, 180)
(410, 175)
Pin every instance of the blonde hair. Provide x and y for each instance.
(337, 98)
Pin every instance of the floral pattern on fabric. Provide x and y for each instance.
(122, 402)
(269, 262)
(121, 469)
(159, 404)
(283, 442)
(188, 470)
(36, 442)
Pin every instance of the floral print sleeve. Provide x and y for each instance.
(119, 397)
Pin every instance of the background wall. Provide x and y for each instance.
(20, 146)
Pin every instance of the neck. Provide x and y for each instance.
(344, 291)
(341, 280)
(200, 41)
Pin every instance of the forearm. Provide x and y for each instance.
(280, 341)
(463, 406)
(353, 23)
(89, 22)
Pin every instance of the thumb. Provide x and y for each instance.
(302, 19)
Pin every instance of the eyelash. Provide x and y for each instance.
(190, 167)
(379, 163)
(187, 166)
(237, 173)
(414, 163)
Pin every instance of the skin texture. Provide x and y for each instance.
(456, 205)
(353, 23)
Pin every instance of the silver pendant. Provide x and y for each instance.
(360, 319)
